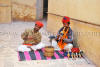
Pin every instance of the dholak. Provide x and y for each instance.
(49, 51)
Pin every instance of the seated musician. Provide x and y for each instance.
(64, 38)
(32, 38)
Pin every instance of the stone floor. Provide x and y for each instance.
(10, 40)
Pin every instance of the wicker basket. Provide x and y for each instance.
(49, 51)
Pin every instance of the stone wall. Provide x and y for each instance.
(24, 10)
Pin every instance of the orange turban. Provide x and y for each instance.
(40, 24)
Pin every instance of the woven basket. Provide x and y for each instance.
(49, 51)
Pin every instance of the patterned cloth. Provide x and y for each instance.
(39, 55)
(36, 37)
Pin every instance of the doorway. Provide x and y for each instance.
(45, 8)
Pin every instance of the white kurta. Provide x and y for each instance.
(68, 47)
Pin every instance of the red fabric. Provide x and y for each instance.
(74, 50)
(28, 44)
(65, 19)
(39, 23)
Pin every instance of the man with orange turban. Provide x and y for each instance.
(64, 38)
(32, 38)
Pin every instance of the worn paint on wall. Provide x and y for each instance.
(24, 10)
(27, 10)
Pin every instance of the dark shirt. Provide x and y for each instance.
(69, 34)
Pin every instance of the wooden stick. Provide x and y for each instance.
(76, 55)
(68, 55)
(72, 55)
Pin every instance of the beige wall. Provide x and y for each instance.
(5, 11)
(87, 36)
(31, 3)
(5, 14)
(7, 2)
(88, 39)
(86, 10)
(53, 23)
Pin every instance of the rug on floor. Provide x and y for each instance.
(38, 55)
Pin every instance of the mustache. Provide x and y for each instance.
(66, 27)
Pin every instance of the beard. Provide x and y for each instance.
(36, 30)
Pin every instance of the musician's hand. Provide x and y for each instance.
(57, 35)
(30, 37)
(57, 41)
(30, 48)
(25, 38)
(68, 40)
(62, 40)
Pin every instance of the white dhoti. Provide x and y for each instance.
(68, 47)
(23, 48)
